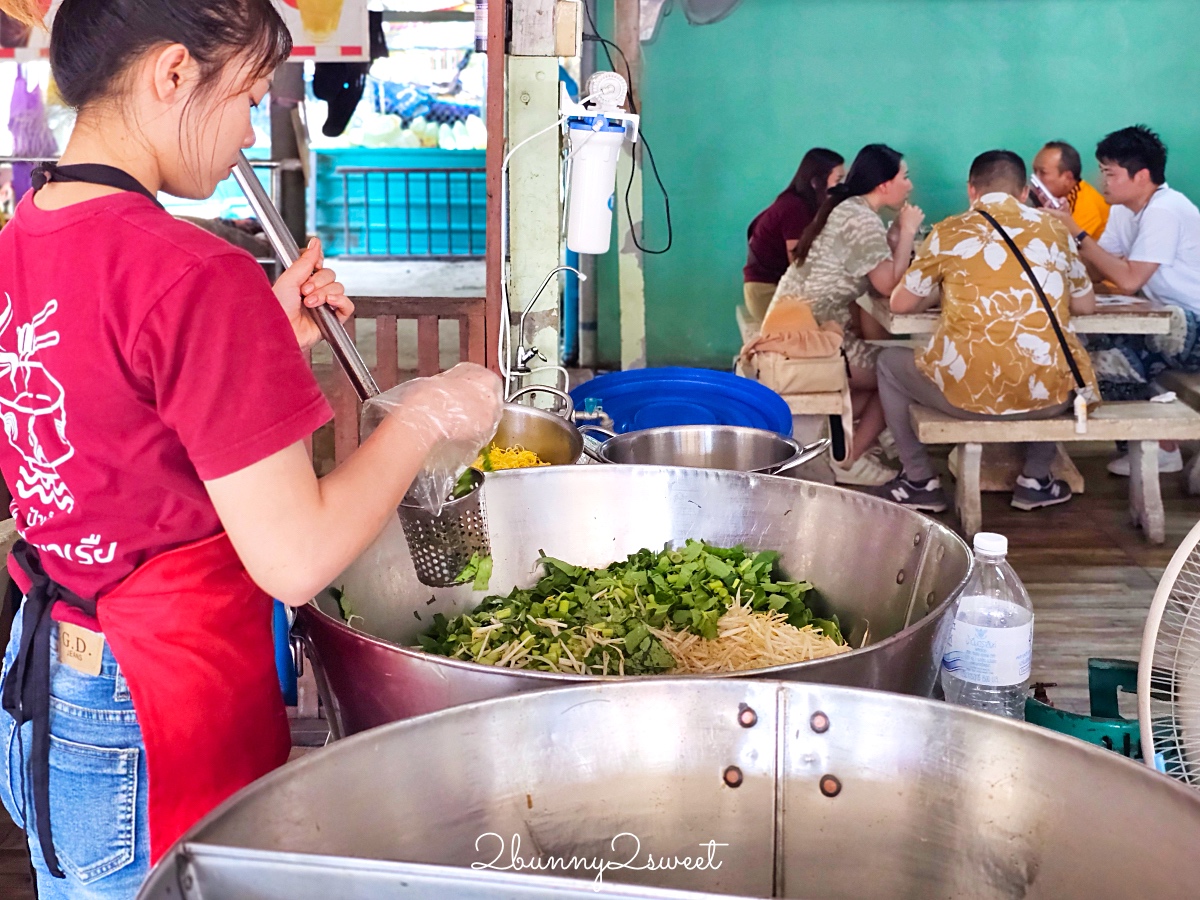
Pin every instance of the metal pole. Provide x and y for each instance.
(285, 247)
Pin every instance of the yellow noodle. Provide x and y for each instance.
(507, 458)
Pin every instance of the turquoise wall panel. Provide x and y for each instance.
(730, 109)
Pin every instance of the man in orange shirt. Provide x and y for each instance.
(1059, 167)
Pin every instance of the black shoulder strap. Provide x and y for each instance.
(1037, 286)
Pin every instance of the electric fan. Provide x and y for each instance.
(1169, 668)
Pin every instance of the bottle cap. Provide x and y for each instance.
(991, 544)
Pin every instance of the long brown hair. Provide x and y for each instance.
(875, 164)
(811, 181)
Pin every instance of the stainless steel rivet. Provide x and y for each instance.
(916, 540)
(747, 717)
(900, 577)
(187, 883)
(930, 600)
(831, 786)
(819, 722)
(733, 776)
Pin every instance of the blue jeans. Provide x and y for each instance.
(98, 791)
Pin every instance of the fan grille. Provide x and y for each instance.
(1175, 676)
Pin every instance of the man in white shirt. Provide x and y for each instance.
(1151, 245)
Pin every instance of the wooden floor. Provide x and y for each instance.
(1090, 573)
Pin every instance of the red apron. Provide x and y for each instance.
(192, 635)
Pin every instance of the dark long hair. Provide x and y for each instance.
(875, 164)
(811, 181)
(94, 42)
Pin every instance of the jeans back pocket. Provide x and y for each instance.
(93, 807)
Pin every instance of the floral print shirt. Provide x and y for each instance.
(995, 351)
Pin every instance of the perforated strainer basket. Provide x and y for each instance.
(441, 545)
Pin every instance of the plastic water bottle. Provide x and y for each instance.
(987, 663)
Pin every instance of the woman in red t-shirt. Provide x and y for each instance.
(777, 229)
(155, 403)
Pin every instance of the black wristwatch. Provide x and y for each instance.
(1079, 238)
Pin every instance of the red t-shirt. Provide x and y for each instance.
(782, 221)
(139, 357)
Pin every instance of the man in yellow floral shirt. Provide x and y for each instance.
(995, 353)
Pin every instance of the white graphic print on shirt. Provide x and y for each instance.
(34, 414)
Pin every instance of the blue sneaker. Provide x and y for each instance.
(926, 496)
(1030, 493)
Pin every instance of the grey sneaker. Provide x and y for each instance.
(926, 496)
(1033, 494)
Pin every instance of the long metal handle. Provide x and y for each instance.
(285, 247)
(806, 454)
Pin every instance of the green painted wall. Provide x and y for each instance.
(730, 109)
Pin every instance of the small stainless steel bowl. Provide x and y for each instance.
(707, 447)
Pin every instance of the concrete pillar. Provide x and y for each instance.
(286, 91)
(534, 202)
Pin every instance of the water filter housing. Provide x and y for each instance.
(594, 144)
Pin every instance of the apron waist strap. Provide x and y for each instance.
(26, 694)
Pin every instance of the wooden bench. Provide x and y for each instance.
(1142, 423)
(1186, 386)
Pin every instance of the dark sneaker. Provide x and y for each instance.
(1033, 494)
(927, 496)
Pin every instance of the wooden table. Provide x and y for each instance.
(1114, 315)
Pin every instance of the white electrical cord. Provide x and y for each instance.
(504, 341)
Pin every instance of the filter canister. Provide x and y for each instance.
(595, 146)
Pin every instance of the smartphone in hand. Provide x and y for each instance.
(1044, 197)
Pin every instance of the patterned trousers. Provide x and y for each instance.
(1125, 364)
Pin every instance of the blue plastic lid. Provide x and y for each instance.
(588, 123)
(673, 395)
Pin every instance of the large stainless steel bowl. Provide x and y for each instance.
(840, 794)
(887, 572)
(707, 447)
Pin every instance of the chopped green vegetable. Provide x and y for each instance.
(599, 621)
(478, 570)
(343, 602)
(464, 485)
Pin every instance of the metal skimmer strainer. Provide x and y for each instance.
(441, 545)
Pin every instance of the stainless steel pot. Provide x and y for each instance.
(705, 447)
(811, 791)
(890, 575)
(552, 436)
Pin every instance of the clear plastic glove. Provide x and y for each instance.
(457, 413)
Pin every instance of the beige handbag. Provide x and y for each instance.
(796, 376)
(792, 354)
